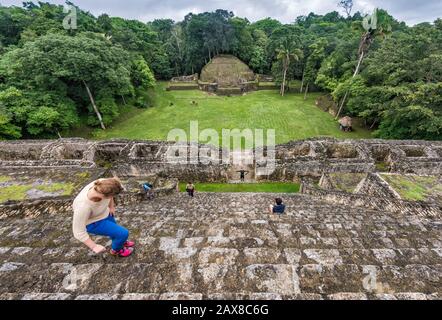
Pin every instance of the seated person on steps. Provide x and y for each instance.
(148, 188)
(279, 208)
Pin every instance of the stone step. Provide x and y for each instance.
(215, 232)
(222, 203)
(221, 296)
(210, 278)
(375, 231)
(216, 244)
(167, 250)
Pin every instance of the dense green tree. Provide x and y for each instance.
(379, 26)
(267, 25)
(50, 78)
(403, 78)
(242, 43)
(286, 54)
(56, 70)
(313, 63)
(258, 57)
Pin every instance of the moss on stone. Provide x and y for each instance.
(66, 188)
(382, 167)
(4, 179)
(18, 192)
(414, 188)
(14, 192)
(104, 164)
(84, 175)
(346, 181)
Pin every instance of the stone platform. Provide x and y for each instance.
(226, 246)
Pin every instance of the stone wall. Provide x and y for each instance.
(216, 88)
(294, 160)
(373, 202)
(63, 205)
(191, 78)
(171, 87)
(208, 87)
(34, 209)
(312, 157)
(265, 78)
(224, 245)
(375, 186)
(326, 183)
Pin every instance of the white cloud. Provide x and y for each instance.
(364, 6)
(411, 11)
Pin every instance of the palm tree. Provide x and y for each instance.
(286, 54)
(379, 27)
(313, 63)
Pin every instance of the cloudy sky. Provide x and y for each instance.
(410, 11)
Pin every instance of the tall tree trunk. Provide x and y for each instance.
(124, 100)
(358, 67)
(306, 91)
(94, 105)
(302, 83)
(342, 104)
(359, 64)
(283, 82)
(286, 68)
(372, 126)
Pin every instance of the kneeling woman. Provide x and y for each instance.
(94, 210)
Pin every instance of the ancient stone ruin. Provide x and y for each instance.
(223, 75)
(191, 78)
(355, 231)
(226, 74)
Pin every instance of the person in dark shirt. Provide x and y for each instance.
(242, 174)
(279, 208)
(190, 188)
(148, 188)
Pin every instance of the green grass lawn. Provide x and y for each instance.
(291, 116)
(272, 187)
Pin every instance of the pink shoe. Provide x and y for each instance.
(129, 244)
(125, 252)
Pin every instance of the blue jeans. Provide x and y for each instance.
(109, 227)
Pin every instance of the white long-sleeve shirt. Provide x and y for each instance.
(87, 212)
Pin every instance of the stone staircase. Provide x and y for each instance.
(241, 160)
(227, 246)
